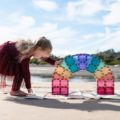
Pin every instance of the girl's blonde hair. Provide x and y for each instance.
(25, 47)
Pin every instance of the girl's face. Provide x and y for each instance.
(40, 53)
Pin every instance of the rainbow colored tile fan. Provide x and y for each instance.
(79, 62)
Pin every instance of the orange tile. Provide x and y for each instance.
(106, 70)
(66, 74)
(99, 74)
(59, 70)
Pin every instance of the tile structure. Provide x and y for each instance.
(79, 62)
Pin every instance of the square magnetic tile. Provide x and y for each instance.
(56, 91)
(64, 90)
(101, 90)
(64, 83)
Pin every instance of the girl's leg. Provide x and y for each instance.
(15, 91)
(17, 81)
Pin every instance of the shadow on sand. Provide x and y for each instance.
(88, 105)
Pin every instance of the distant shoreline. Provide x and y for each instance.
(47, 71)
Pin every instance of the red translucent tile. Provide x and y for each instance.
(101, 90)
(56, 91)
(110, 90)
(64, 90)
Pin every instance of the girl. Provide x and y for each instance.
(14, 61)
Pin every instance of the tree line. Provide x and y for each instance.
(109, 56)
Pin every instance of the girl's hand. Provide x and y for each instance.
(30, 91)
(57, 63)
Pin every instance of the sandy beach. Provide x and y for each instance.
(59, 108)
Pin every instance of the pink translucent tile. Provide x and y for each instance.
(101, 90)
(109, 76)
(64, 91)
(57, 76)
(64, 83)
(56, 82)
(101, 83)
(110, 90)
(56, 91)
(110, 83)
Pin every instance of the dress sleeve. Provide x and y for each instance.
(26, 72)
(50, 60)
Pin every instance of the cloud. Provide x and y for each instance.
(16, 25)
(111, 39)
(84, 8)
(113, 17)
(101, 41)
(85, 11)
(6, 33)
(47, 5)
(21, 20)
(24, 27)
(66, 38)
(27, 21)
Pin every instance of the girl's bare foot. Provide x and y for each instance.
(18, 93)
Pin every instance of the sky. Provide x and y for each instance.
(73, 26)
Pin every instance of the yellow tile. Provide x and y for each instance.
(106, 70)
(59, 70)
(99, 74)
(66, 74)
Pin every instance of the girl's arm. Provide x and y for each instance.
(26, 72)
(53, 60)
(50, 61)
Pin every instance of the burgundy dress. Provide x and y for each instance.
(9, 66)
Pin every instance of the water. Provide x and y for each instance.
(37, 79)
